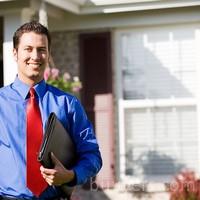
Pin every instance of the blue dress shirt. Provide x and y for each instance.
(13, 101)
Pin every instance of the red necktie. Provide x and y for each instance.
(35, 181)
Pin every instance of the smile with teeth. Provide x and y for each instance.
(34, 64)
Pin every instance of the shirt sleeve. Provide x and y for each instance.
(89, 158)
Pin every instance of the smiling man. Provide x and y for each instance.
(25, 107)
(31, 55)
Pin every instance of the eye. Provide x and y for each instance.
(42, 50)
(28, 49)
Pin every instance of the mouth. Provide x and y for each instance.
(34, 65)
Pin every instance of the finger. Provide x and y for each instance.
(47, 171)
(44, 176)
(49, 181)
(44, 170)
(41, 168)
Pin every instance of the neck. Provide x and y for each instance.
(29, 81)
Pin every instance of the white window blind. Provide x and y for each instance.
(159, 63)
(160, 141)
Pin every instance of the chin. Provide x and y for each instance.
(36, 77)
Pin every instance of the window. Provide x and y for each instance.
(157, 109)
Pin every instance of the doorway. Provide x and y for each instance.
(95, 68)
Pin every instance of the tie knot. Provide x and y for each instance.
(32, 92)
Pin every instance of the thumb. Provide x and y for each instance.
(55, 160)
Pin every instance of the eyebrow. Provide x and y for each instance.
(44, 47)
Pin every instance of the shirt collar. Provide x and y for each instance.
(23, 88)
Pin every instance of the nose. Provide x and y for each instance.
(35, 54)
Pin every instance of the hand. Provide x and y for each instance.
(58, 175)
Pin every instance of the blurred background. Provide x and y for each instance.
(139, 65)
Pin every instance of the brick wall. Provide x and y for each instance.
(65, 51)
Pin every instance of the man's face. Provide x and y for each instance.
(32, 57)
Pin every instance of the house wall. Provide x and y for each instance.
(65, 49)
(72, 25)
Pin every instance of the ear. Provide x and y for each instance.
(15, 54)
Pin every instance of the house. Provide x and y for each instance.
(139, 62)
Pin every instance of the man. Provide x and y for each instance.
(25, 107)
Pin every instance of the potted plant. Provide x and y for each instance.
(62, 81)
(185, 186)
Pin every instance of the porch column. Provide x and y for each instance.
(43, 18)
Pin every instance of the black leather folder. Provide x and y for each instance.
(56, 140)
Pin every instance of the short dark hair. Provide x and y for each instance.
(32, 26)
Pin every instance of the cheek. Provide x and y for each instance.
(45, 56)
(23, 56)
(45, 59)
